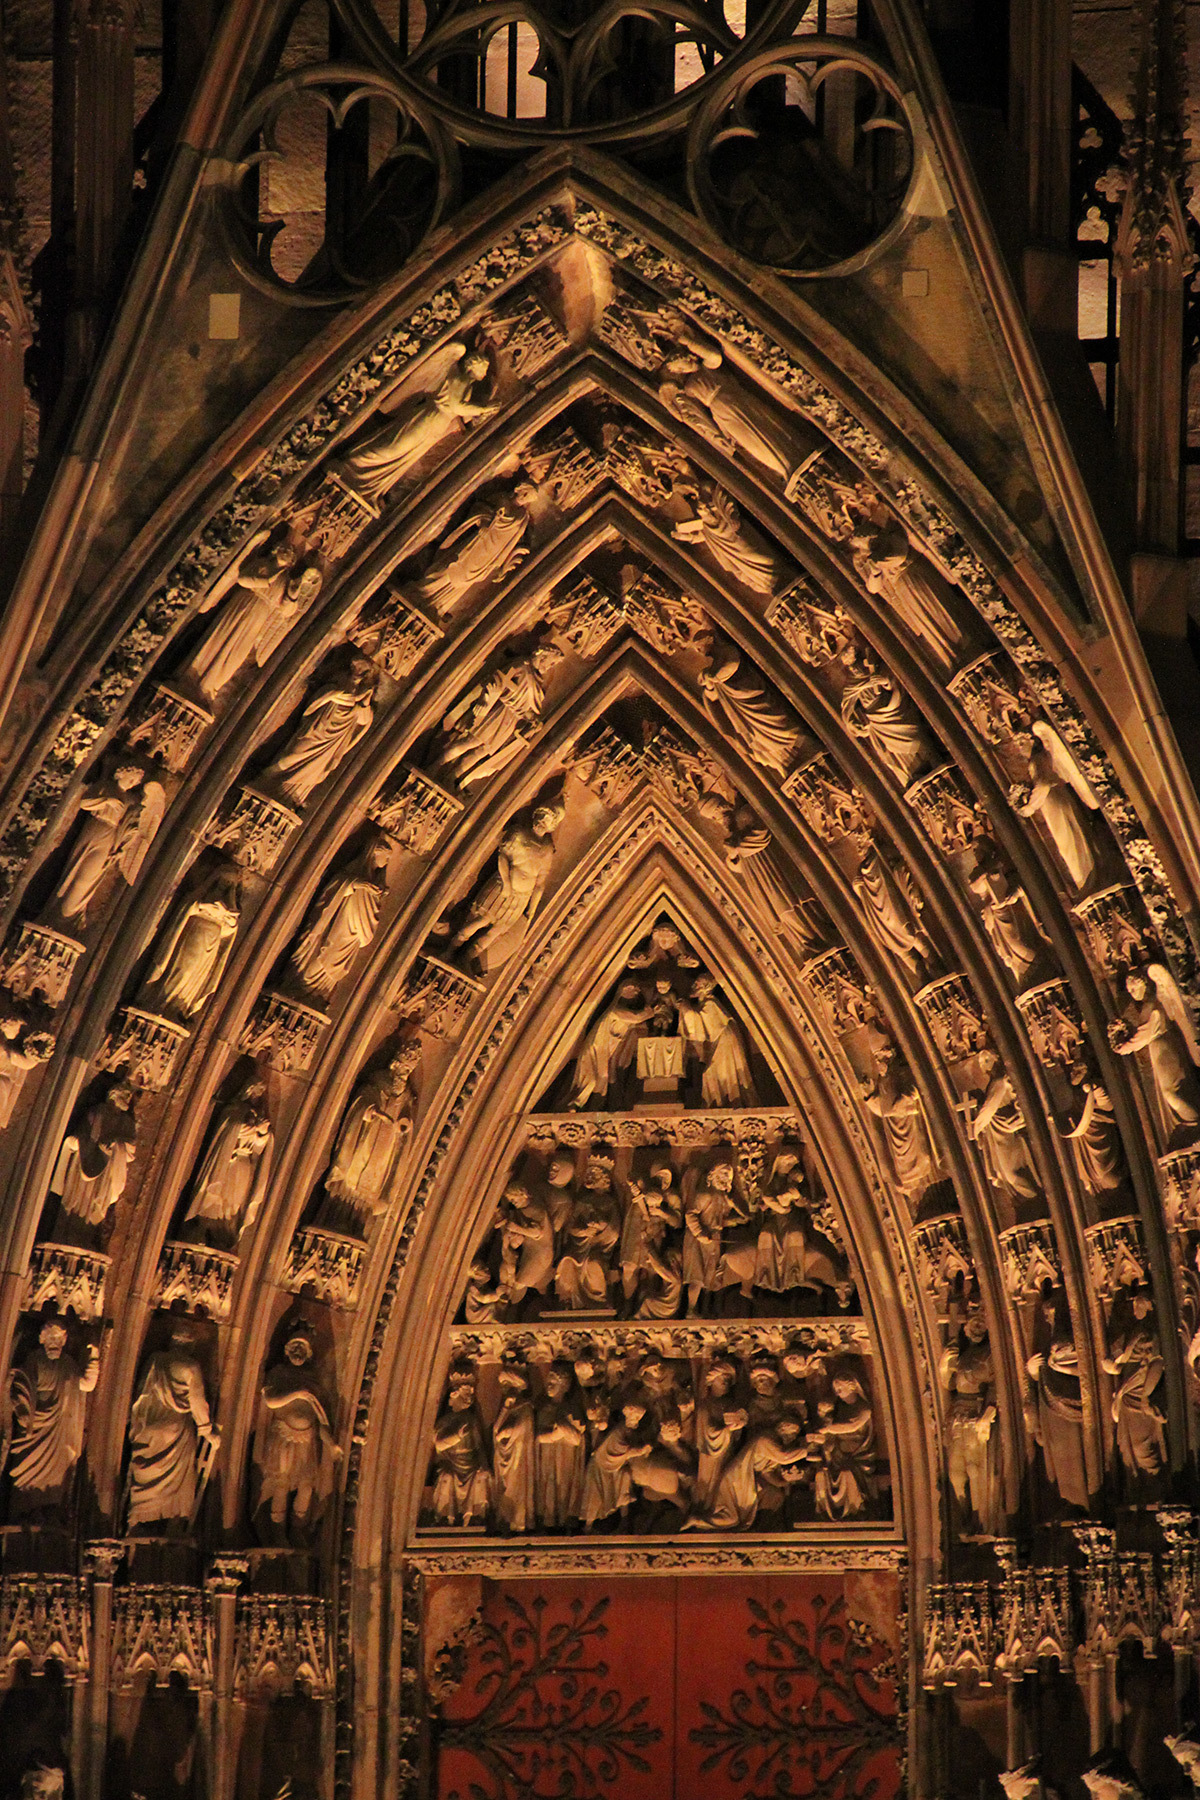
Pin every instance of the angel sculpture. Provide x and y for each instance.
(265, 592)
(716, 410)
(398, 442)
(120, 828)
(1060, 796)
(743, 711)
(717, 526)
(1158, 1021)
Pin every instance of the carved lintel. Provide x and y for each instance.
(826, 801)
(668, 620)
(41, 962)
(564, 467)
(326, 1265)
(59, 1275)
(1054, 1023)
(527, 334)
(394, 631)
(952, 816)
(285, 1031)
(989, 692)
(591, 618)
(414, 810)
(45, 1619)
(677, 1340)
(954, 1016)
(590, 1558)
(1118, 942)
(609, 766)
(817, 630)
(144, 1043)
(1179, 1177)
(842, 988)
(1031, 1261)
(282, 1647)
(1117, 1256)
(254, 830)
(438, 996)
(686, 1129)
(947, 1266)
(170, 726)
(160, 1630)
(199, 1279)
(959, 1635)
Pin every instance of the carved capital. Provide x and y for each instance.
(285, 1031)
(437, 996)
(1054, 1023)
(63, 1276)
(170, 726)
(327, 1265)
(146, 1044)
(199, 1279)
(414, 810)
(42, 962)
(253, 830)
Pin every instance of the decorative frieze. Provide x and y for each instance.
(587, 618)
(1116, 1256)
(326, 1265)
(170, 726)
(687, 1130)
(145, 1044)
(42, 962)
(198, 1279)
(414, 810)
(282, 1647)
(678, 1340)
(160, 1630)
(609, 766)
(44, 1619)
(587, 1557)
(953, 818)
(842, 988)
(1119, 943)
(394, 632)
(437, 996)
(254, 830)
(954, 1017)
(816, 629)
(285, 1031)
(1054, 1023)
(1031, 1261)
(61, 1276)
(827, 802)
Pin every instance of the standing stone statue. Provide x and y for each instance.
(374, 1132)
(501, 911)
(233, 1176)
(169, 1422)
(331, 724)
(485, 547)
(744, 713)
(1008, 921)
(490, 724)
(1157, 1021)
(1057, 1405)
(93, 1164)
(714, 1038)
(271, 586)
(191, 959)
(968, 1375)
(1135, 1362)
(716, 409)
(717, 527)
(122, 818)
(1058, 794)
(46, 1408)
(896, 1103)
(513, 1450)
(892, 906)
(1091, 1130)
(395, 444)
(294, 1453)
(346, 920)
(882, 716)
(559, 1453)
(998, 1127)
(610, 1047)
(914, 594)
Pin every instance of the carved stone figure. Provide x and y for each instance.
(1109, 1777)
(914, 593)
(1008, 921)
(527, 1237)
(331, 724)
(559, 1452)
(609, 1483)
(513, 1451)
(1157, 1021)
(1135, 1362)
(716, 408)
(998, 1127)
(717, 527)
(1057, 1409)
(1024, 1783)
(589, 1237)
(707, 1212)
(489, 725)
(653, 1209)
(191, 959)
(169, 1422)
(93, 1164)
(791, 1253)
(881, 715)
(46, 1405)
(462, 1480)
(742, 710)
(1058, 794)
(20, 1051)
(768, 1457)
(894, 1100)
(501, 911)
(974, 1466)
(122, 817)
(270, 589)
(1091, 1130)
(892, 906)
(485, 547)
(844, 1448)
(346, 920)
(397, 443)
(714, 1037)
(294, 1453)
(611, 1046)
(233, 1176)
(374, 1132)
(1184, 1746)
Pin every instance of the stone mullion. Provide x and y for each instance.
(102, 1556)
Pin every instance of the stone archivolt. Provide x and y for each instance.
(779, 696)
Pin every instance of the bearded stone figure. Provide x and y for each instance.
(374, 1133)
(169, 1421)
(46, 1402)
(501, 912)
(272, 587)
(122, 817)
(395, 444)
(331, 724)
(345, 922)
(192, 957)
(295, 1454)
(93, 1164)
(233, 1176)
